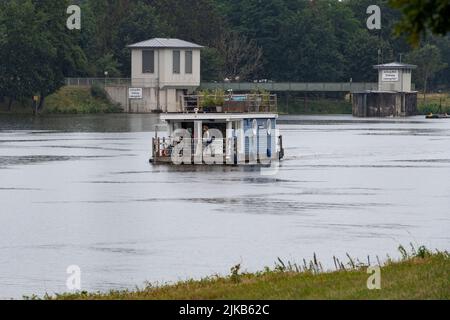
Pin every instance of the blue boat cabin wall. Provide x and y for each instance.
(264, 145)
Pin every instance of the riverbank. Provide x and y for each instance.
(316, 107)
(344, 106)
(86, 100)
(69, 100)
(432, 103)
(423, 275)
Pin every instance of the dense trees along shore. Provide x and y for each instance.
(279, 40)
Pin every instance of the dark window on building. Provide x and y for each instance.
(176, 62)
(148, 61)
(188, 56)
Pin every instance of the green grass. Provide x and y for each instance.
(432, 103)
(318, 106)
(421, 275)
(69, 100)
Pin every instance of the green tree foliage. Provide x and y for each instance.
(429, 61)
(108, 65)
(420, 16)
(280, 40)
(37, 51)
(194, 20)
(442, 78)
(265, 22)
(20, 38)
(60, 54)
(142, 23)
(212, 64)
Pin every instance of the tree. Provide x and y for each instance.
(390, 46)
(59, 54)
(242, 58)
(2, 30)
(141, 24)
(212, 64)
(429, 61)
(20, 39)
(420, 16)
(311, 50)
(263, 21)
(442, 78)
(37, 50)
(198, 21)
(108, 63)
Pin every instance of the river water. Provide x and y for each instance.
(79, 190)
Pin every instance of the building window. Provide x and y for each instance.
(148, 61)
(176, 62)
(188, 67)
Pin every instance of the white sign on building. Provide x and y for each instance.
(135, 93)
(390, 76)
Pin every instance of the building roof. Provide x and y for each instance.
(395, 65)
(165, 43)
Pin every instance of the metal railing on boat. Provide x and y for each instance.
(233, 103)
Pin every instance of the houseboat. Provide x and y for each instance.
(220, 129)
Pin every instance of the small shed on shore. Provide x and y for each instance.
(394, 97)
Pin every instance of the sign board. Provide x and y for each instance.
(389, 76)
(135, 93)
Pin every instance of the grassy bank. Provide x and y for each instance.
(69, 100)
(432, 102)
(421, 275)
(318, 106)
(344, 106)
(85, 100)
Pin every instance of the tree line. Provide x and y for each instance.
(245, 40)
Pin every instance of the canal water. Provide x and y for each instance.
(79, 190)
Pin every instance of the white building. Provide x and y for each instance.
(395, 77)
(165, 70)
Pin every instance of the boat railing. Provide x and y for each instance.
(236, 103)
(164, 149)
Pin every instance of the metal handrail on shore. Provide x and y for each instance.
(236, 86)
(119, 82)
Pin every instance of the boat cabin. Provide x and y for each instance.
(218, 139)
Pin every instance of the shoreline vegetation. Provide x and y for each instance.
(69, 100)
(419, 274)
(94, 100)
